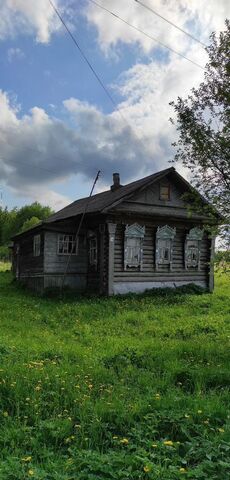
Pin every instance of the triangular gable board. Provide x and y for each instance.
(151, 194)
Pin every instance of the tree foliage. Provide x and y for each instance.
(203, 125)
(17, 220)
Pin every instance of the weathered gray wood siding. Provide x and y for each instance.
(55, 264)
(149, 274)
(28, 264)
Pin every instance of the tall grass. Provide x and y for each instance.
(121, 388)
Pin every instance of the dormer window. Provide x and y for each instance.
(192, 248)
(164, 191)
(164, 245)
(133, 251)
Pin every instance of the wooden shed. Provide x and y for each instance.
(134, 237)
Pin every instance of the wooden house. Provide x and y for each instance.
(133, 237)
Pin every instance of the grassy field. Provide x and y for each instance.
(121, 388)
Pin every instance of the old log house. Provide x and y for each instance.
(134, 237)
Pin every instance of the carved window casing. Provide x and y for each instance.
(37, 245)
(164, 245)
(67, 244)
(133, 246)
(192, 248)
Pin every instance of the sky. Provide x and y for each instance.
(58, 126)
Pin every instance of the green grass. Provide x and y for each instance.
(92, 388)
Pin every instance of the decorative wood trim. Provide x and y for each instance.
(195, 234)
(164, 233)
(111, 230)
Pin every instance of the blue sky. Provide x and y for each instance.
(57, 126)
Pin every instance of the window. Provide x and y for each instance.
(164, 191)
(67, 244)
(93, 251)
(133, 251)
(164, 245)
(192, 248)
(37, 245)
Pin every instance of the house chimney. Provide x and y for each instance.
(116, 182)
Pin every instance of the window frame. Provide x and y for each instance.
(161, 195)
(166, 235)
(133, 232)
(69, 242)
(37, 245)
(192, 241)
(93, 251)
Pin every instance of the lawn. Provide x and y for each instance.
(121, 388)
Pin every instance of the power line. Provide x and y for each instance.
(171, 23)
(145, 34)
(94, 71)
(82, 53)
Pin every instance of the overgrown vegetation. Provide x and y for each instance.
(122, 388)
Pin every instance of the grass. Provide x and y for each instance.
(122, 388)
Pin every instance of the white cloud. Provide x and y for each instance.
(33, 17)
(199, 18)
(15, 54)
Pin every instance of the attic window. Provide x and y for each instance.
(133, 251)
(67, 245)
(164, 191)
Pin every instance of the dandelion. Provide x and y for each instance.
(26, 459)
(168, 443)
(154, 445)
(182, 470)
(146, 469)
(221, 430)
(124, 441)
(199, 411)
(115, 437)
(30, 472)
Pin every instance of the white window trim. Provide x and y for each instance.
(37, 245)
(164, 233)
(71, 240)
(195, 235)
(137, 232)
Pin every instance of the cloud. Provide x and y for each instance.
(33, 17)
(199, 18)
(15, 54)
(38, 149)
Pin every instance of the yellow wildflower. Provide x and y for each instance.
(221, 430)
(154, 445)
(124, 441)
(30, 472)
(168, 443)
(182, 470)
(115, 437)
(199, 411)
(5, 414)
(26, 459)
(146, 469)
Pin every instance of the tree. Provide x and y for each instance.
(17, 220)
(29, 223)
(203, 125)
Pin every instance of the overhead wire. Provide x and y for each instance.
(170, 23)
(145, 34)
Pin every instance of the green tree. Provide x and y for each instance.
(203, 125)
(30, 223)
